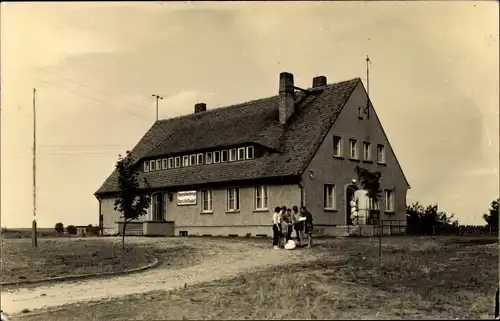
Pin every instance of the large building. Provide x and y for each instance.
(223, 171)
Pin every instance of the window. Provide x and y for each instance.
(171, 162)
(373, 205)
(329, 197)
(241, 153)
(151, 165)
(164, 163)
(232, 155)
(200, 159)
(361, 111)
(185, 161)
(216, 157)
(337, 146)
(158, 206)
(192, 160)
(208, 158)
(224, 156)
(206, 201)
(233, 199)
(146, 166)
(177, 162)
(380, 153)
(367, 151)
(158, 164)
(389, 200)
(353, 144)
(250, 154)
(261, 198)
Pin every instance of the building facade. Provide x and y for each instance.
(223, 171)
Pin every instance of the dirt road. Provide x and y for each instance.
(229, 260)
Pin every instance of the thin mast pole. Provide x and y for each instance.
(34, 236)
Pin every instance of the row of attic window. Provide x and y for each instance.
(224, 156)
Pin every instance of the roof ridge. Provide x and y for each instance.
(332, 84)
(243, 104)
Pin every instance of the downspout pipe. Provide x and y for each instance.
(101, 228)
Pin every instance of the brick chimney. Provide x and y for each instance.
(287, 97)
(319, 81)
(198, 108)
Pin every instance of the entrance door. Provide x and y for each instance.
(349, 193)
(159, 206)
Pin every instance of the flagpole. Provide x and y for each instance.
(34, 232)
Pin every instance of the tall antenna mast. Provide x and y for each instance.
(34, 236)
(157, 98)
(367, 108)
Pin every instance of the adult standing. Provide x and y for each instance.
(298, 224)
(284, 226)
(309, 226)
(276, 228)
(289, 221)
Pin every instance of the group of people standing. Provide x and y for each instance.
(285, 221)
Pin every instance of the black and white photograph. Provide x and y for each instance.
(199, 160)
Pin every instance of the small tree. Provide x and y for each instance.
(131, 201)
(71, 229)
(59, 228)
(492, 217)
(370, 182)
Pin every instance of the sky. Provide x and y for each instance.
(434, 83)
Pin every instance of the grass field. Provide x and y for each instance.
(55, 257)
(417, 277)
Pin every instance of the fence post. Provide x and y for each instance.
(433, 230)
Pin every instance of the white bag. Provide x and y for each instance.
(290, 245)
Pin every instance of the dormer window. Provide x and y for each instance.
(224, 156)
(146, 167)
(232, 155)
(199, 160)
(250, 152)
(241, 153)
(216, 157)
(208, 158)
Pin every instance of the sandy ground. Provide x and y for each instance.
(227, 262)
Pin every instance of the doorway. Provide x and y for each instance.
(159, 206)
(349, 194)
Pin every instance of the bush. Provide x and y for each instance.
(59, 228)
(71, 229)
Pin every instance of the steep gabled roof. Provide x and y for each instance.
(252, 122)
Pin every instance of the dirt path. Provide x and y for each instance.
(233, 259)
